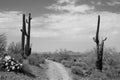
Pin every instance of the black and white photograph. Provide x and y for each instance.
(59, 39)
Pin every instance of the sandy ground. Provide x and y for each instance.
(57, 71)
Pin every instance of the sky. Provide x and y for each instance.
(62, 24)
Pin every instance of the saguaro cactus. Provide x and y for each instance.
(100, 47)
(25, 47)
(28, 48)
(23, 30)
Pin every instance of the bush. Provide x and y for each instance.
(14, 50)
(35, 60)
(111, 58)
(67, 63)
(112, 73)
(3, 43)
(78, 71)
(81, 64)
(27, 70)
(96, 75)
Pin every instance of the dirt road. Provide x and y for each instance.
(57, 71)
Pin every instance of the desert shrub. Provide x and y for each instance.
(3, 43)
(82, 67)
(81, 64)
(14, 50)
(60, 55)
(64, 54)
(46, 55)
(76, 77)
(97, 75)
(90, 58)
(78, 71)
(111, 57)
(27, 70)
(112, 74)
(67, 63)
(35, 60)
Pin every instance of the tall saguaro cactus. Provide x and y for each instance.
(100, 47)
(26, 48)
(23, 30)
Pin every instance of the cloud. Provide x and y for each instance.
(76, 26)
(99, 3)
(10, 21)
(66, 1)
(65, 26)
(113, 3)
(70, 6)
(77, 22)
